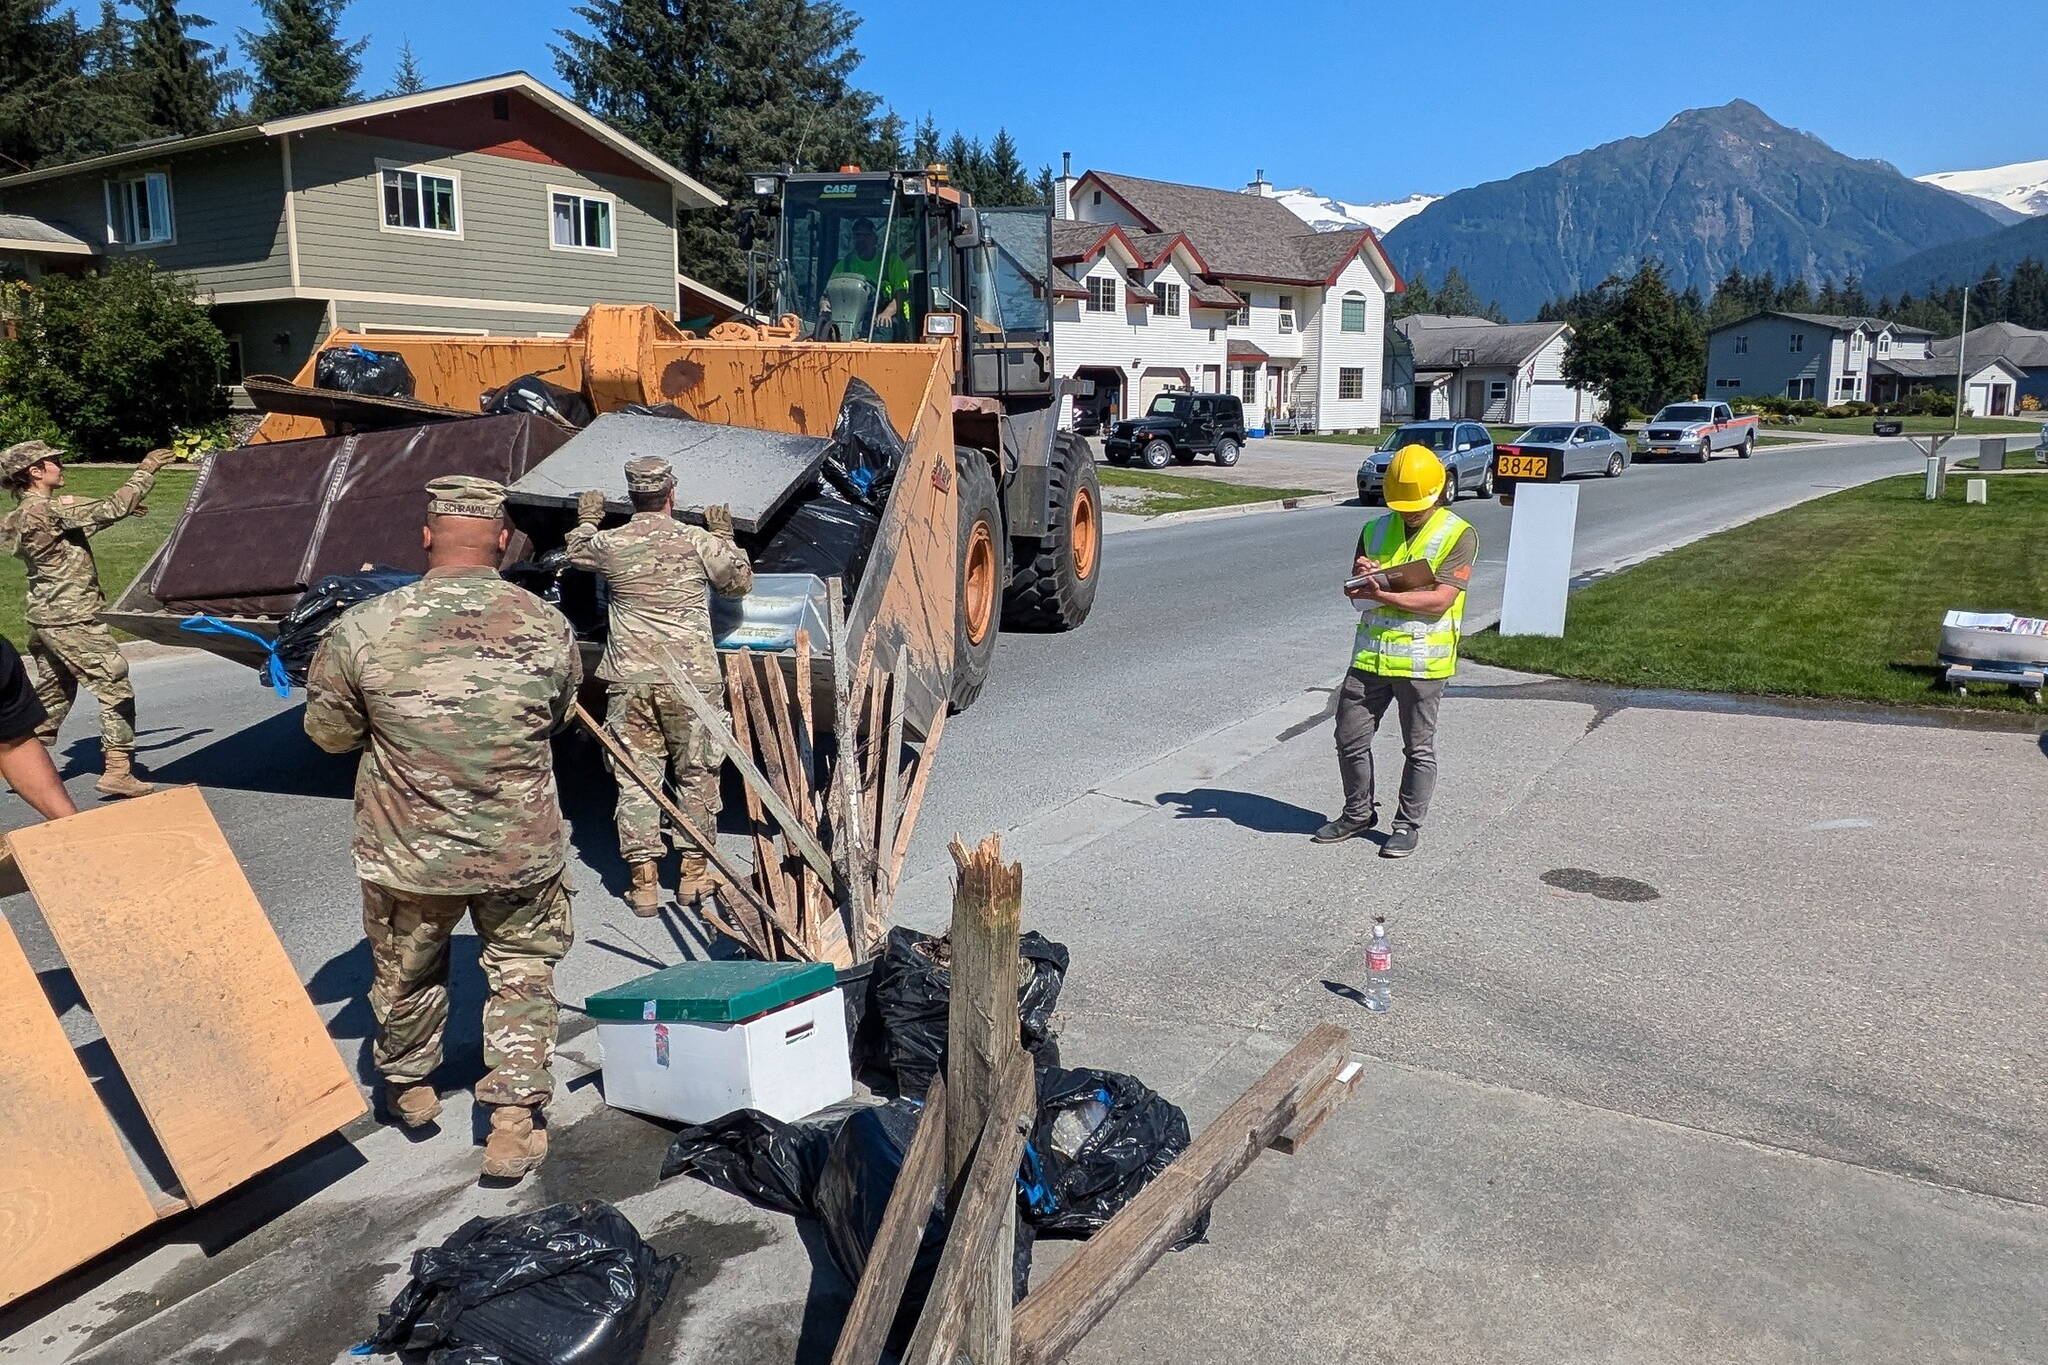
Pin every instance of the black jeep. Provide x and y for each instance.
(1180, 426)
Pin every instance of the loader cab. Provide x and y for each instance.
(897, 256)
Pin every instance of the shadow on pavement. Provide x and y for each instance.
(345, 980)
(1245, 809)
(273, 755)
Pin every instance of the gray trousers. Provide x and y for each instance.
(1361, 703)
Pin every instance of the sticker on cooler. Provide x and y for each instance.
(661, 1044)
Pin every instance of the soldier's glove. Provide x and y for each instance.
(718, 520)
(590, 507)
(157, 459)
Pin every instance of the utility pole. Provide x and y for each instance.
(1963, 347)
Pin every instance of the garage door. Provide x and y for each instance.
(1155, 382)
(1550, 401)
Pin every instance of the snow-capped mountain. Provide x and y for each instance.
(2021, 187)
(1325, 214)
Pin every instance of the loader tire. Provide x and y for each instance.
(1052, 586)
(983, 568)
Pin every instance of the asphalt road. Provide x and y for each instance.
(1195, 624)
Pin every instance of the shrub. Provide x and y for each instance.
(117, 363)
(2029, 403)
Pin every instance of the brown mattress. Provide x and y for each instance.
(264, 522)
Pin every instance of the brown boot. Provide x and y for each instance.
(695, 880)
(415, 1105)
(119, 779)
(516, 1145)
(644, 896)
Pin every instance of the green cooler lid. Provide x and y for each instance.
(712, 992)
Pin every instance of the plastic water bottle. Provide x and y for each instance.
(1379, 969)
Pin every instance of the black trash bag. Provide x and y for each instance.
(864, 442)
(859, 1175)
(307, 623)
(759, 1158)
(571, 1284)
(824, 535)
(530, 393)
(357, 369)
(1100, 1137)
(669, 410)
(911, 988)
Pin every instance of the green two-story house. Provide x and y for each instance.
(496, 206)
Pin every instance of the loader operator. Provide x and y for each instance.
(884, 269)
(1406, 648)
(452, 686)
(661, 573)
(66, 639)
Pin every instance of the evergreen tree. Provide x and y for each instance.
(924, 147)
(721, 88)
(41, 59)
(301, 63)
(1853, 300)
(885, 149)
(1829, 299)
(407, 80)
(1455, 296)
(1007, 181)
(178, 78)
(1987, 299)
(1416, 298)
(2027, 295)
(1794, 297)
(1641, 350)
(1046, 186)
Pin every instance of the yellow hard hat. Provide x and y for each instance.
(1415, 479)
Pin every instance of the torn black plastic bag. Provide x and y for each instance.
(357, 369)
(910, 993)
(864, 441)
(759, 1158)
(307, 623)
(531, 393)
(823, 534)
(859, 1175)
(571, 1284)
(1100, 1137)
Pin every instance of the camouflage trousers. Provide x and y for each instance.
(66, 656)
(524, 933)
(664, 739)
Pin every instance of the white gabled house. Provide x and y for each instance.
(1507, 373)
(1291, 320)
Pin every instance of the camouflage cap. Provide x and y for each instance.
(19, 457)
(462, 495)
(648, 474)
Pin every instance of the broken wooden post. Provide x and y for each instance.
(852, 884)
(981, 1040)
(1052, 1321)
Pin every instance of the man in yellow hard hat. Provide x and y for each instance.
(1406, 648)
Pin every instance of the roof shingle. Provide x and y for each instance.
(1238, 235)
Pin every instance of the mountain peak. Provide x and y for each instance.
(1736, 116)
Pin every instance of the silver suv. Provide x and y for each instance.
(1466, 449)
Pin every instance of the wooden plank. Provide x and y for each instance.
(894, 1252)
(67, 1192)
(1317, 1108)
(906, 824)
(203, 1010)
(983, 1221)
(981, 1045)
(892, 776)
(1052, 1321)
(775, 697)
(826, 921)
(852, 890)
(772, 878)
(722, 738)
(721, 867)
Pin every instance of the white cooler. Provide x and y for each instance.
(695, 1042)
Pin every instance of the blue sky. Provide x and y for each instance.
(1362, 101)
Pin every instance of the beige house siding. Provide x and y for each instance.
(503, 251)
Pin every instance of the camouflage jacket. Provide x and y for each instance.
(452, 685)
(49, 534)
(661, 573)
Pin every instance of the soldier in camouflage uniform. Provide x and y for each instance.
(661, 573)
(452, 687)
(66, 639)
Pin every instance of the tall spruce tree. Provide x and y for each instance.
(720, 88)
(1008, 183)
(407, 80)
(885, 148)
(1641, 350)
(924, 145)
(301, 64)
(179, 79)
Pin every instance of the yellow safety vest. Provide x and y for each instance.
(1400, 644)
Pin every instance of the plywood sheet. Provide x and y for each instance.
(197, 999)
(67, 1191)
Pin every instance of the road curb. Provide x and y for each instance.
(1242, 509)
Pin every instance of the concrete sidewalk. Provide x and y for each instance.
(1716, 1036)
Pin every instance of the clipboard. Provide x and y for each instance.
(1410, 576)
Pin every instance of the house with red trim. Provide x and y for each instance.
(1291, 320)
(495, 206)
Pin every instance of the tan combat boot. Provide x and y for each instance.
(415, 1105)
(119, 779)
(644, 896)
(516, 1145)
(695, 880)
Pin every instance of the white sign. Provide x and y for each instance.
(1546, 518)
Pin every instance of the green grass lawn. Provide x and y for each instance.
(1841, 597)
(121, 549)
(1972, 426)
(1150, 494)
(1781, 441)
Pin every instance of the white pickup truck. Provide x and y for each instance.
(1697, 430)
